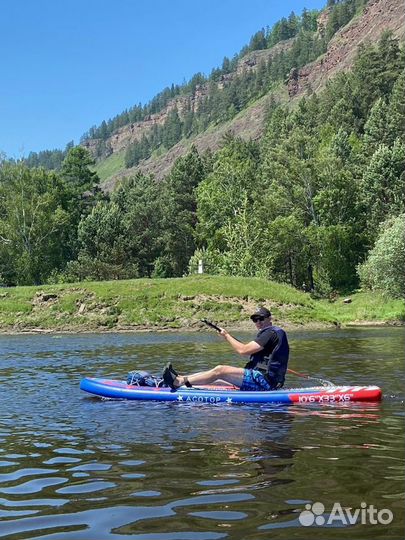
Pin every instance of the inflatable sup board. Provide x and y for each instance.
(108, 388)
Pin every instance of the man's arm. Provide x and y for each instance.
(241, 348)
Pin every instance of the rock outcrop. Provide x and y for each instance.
(378, 16)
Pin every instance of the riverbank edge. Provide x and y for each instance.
(193, 328)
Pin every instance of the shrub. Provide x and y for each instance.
(384, 268)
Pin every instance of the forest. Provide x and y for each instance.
(318, 202)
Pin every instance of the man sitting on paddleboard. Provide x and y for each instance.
(268, 352)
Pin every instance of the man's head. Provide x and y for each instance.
(261, 317)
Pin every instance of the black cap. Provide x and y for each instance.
(261, 312)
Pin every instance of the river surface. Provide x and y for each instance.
(77, 467)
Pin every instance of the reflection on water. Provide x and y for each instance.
(77, 467)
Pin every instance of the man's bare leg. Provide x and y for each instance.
(230, 374)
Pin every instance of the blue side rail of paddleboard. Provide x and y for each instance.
(120, 390)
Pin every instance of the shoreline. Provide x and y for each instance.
(241, 327)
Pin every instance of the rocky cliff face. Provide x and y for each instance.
(378, 16)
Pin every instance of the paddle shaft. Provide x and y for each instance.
(324, 382)
(211, 325)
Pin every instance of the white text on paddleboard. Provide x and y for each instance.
(325, 398)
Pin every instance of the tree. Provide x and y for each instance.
(336, 250)
(226, 65)
(293, 24)
(242, 255)
(220, 194)
(383, 185)
(308, 20)
(289, 176)
(82, 189)
(33, 224)
(260, 78)
(76, 170)
(396, 110)
(258, 41)
(374, 73)
(376, 129)
(103, 131)
(104, 246)
(179, 214)
(287, 250)
(384, 268)
(140, 202)
(172, 129)
(188, 120)
(121, 238)
(337, 201)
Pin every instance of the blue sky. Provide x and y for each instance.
(66, 65)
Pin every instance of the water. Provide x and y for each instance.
(80, 468)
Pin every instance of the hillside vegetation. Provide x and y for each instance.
(267, 70)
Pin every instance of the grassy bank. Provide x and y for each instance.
(179, 303)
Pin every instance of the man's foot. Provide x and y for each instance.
(169, 364)
(169, 376)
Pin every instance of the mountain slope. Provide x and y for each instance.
(377, 17)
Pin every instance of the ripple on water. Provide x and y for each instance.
(87, 487)
(132, 462)
(34, 502)
(61, 460)
(220, 515)
(16, 513)
(91, 467)
(146, 494)
(33, 486)
(20, 473)
(73, 451)
(6, 463)
(218, 482)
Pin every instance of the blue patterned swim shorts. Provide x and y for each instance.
(254, 380)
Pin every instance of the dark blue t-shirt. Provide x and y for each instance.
(268, 339)
(274, 355)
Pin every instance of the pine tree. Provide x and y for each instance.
(375, 129)
(258, 41)
(260, 78)
(172, 129)
(396, 111)
(179, 214)
(383, 185)
(103, 130)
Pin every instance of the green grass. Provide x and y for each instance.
(110, 166)
(367, 307)
(180, 303)
(16, 300)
